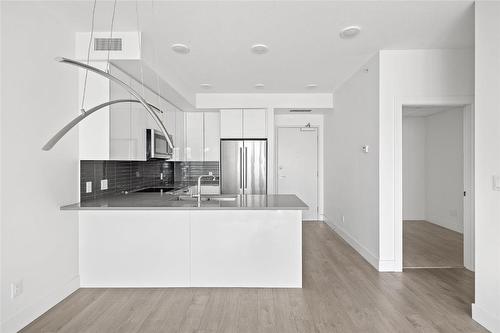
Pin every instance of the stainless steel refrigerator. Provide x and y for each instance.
(243, 166)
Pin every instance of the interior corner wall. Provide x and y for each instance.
(444, 169)
(486, 309)
(417, 74)
(414, 184)
(351, 175)
(433, 179)
(39, 244)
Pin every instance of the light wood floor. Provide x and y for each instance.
(428, 245)
(341, 293)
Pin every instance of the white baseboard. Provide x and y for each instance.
(35, 310)
(365, 253)
(485, 318)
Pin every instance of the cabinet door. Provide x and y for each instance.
(254, 123)
(120, 120)
(94, 131)
(231, 123)
(194, 136)
(179, 140)
(211, 128)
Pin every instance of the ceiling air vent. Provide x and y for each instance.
(107, 44)
(300, 110)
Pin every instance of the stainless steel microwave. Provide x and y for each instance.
(156, 145)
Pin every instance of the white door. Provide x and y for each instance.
(298, 166)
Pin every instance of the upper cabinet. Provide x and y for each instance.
(120, 133)
(243, 123)
(211, 132)
(194, 136)
(255, 123)
(202, 136)
(231, 123)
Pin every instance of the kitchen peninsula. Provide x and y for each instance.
(167, 240)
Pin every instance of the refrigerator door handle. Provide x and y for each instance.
(245, 163)
(241, 168)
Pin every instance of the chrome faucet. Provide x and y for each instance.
(210, 174)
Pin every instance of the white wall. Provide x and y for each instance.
(39, 243)
(444, 169)
(351, 176)
(411, 77)
(433, 169)
(316, 120)
(414, 188)
(486, 309)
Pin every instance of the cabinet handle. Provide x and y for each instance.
(245, 163)
(241, 168)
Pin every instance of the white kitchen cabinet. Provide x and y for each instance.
(254, 123)
(211, 134)
(231, 123)
(202, 136)
(93, 132)
(118, 132)
(243, 123)
(194, 136)
(179, 136)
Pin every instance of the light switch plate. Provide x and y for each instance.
(16, 289)
(104, 184)
(88, 187)
(496, 182)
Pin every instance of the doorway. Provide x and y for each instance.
(297, 166)
(436, 167)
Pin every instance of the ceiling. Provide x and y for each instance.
(427, 110)
(303, 38)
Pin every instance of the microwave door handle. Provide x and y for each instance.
(153, 144)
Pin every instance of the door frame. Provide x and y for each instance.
(276, 138)
(467, 102)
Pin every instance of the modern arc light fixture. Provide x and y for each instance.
(149, 108)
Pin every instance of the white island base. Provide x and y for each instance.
(191, 248)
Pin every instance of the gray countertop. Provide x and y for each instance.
(157, 201)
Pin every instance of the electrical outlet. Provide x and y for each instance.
(343, 218)
(104, 184)
(16, 289)
(88, 187)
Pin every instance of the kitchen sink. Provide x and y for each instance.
(157, 189)
(207, 198)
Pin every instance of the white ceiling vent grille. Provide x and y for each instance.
(107, 44)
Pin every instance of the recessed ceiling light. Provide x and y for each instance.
(259, 85)
(180, 48)
(350, 32)
(206, 85)
(311, 86)
(259, 48)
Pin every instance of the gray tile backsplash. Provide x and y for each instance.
(134, 175)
